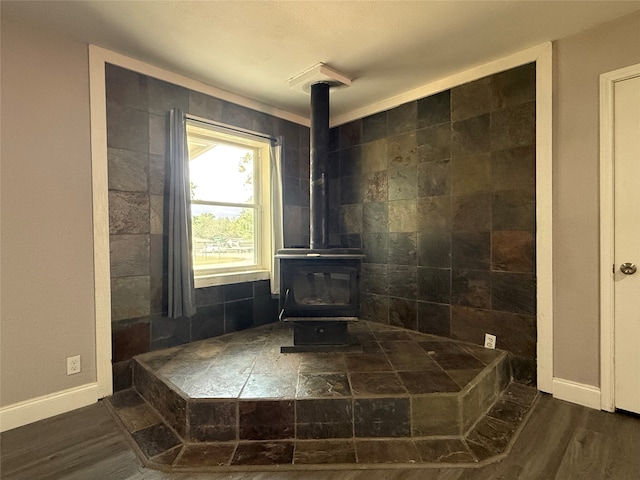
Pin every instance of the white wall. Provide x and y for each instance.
(579, 61)
(47, 246)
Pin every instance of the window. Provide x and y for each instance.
(230, 207)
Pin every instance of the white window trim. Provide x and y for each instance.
(260, 271)
(228, 278)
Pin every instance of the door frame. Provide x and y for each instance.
(607, 232)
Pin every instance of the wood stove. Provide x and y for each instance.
(320, 294)
(320, 285)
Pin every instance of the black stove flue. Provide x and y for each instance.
(319, 166)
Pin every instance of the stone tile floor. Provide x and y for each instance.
(235, 402)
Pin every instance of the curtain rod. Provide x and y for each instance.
(231, 128)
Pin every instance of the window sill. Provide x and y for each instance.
(229, 278)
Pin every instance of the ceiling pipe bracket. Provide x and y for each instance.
(319, 73)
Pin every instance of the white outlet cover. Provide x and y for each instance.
(73, 365)
(489, 341)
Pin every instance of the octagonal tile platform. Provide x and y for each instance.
(404, 397)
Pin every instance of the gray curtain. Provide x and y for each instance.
(277, 236)
(181, 290)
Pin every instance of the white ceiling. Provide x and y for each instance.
(252, 48)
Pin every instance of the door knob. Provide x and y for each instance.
(628, 268)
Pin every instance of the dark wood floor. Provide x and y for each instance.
(561, 441)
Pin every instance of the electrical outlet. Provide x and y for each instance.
(73, 365)
(489, 341)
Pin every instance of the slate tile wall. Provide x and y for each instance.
(440, 194)
(137, 125)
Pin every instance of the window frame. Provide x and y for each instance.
(262, 204)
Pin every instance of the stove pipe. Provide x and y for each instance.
(319, 166)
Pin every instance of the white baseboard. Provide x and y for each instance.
(586, 395)
(29, 411)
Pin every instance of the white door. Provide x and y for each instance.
(626, 145)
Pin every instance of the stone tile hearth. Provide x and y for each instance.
(405, 398)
